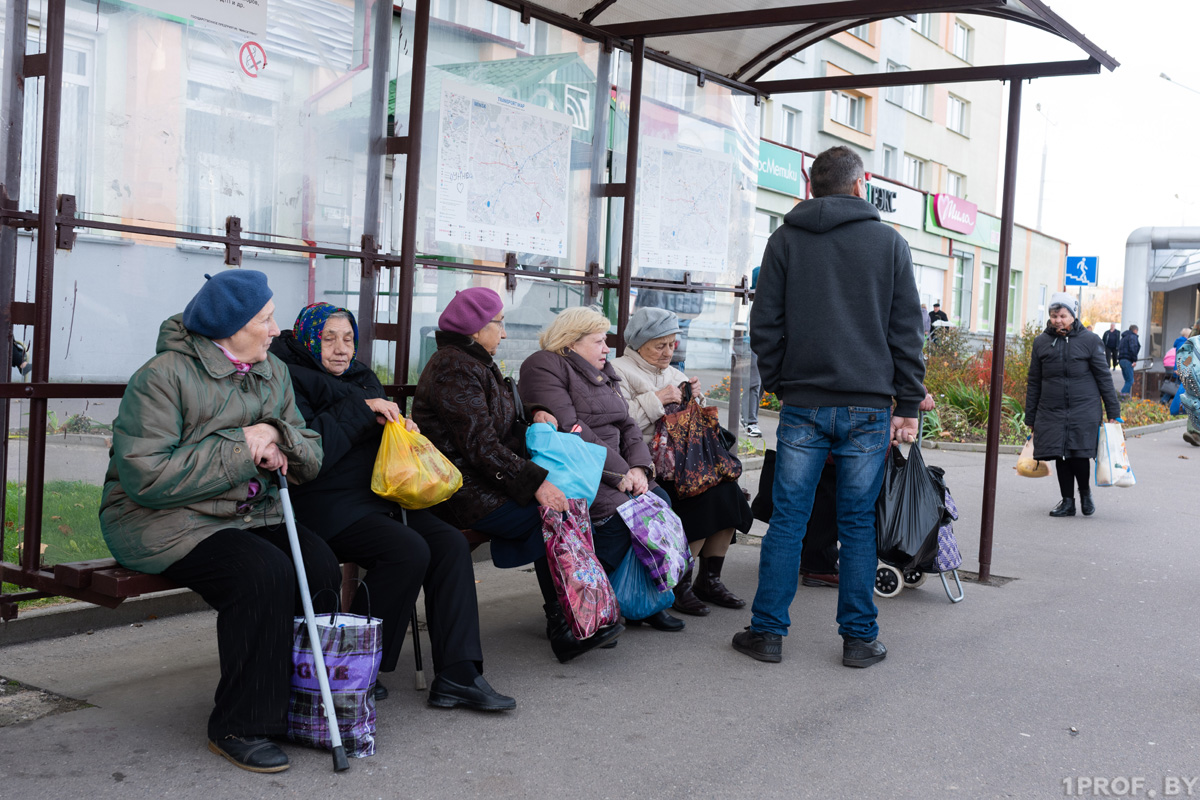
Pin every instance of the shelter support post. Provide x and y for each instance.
(625, 266)
(381, 21)
(47, 213)
(412, 191)
(1000, 320)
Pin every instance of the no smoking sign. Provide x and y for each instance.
(252, 58)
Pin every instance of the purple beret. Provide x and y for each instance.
(470, 310)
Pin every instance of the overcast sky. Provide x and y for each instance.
(1123, 147)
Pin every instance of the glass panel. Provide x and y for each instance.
(513, 142)
(180, 126)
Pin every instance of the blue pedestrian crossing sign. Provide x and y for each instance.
(1081, 270)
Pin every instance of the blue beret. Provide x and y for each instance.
(226, 302)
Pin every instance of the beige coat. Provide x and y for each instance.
(639, 381)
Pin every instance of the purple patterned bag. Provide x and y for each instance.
(658, 538)
(948, 558)
(353, 649)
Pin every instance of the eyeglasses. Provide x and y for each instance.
(499, 322)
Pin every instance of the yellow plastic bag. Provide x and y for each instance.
(1028, 466)
(410, 471)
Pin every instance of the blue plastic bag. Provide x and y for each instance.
(575, 466)
(637, 593)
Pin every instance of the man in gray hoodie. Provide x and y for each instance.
(836, 325)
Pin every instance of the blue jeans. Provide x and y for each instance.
(858, 438)
(1127, 374)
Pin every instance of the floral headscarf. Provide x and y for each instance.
(311, 322)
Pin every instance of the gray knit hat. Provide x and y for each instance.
(1064, 300)
(650, 323)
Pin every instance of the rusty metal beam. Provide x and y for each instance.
(1002, 72)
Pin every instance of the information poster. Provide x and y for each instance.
(684, 197)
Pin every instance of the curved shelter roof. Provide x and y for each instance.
(742, 44)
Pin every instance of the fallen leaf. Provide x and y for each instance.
(56, 518)
(65, 530)
(1185, 458)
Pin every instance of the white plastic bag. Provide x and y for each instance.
(1112, 462)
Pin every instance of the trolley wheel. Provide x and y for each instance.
(913, 578)
(888, 581)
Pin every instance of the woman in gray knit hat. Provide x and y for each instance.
(649, 384)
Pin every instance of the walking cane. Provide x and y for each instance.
(340, 763)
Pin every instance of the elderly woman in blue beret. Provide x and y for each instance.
(190, 494)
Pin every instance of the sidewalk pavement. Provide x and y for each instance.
(1081, 668)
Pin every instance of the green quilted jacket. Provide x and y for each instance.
(179, 469)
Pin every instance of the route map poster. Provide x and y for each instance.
(684, 197)
(503, 174)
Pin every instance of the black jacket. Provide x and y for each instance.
(1129, 347)
(335, 406)
(1068, 380)
(837, 320)
(1111, 339)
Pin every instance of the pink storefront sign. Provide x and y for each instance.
(954, 213)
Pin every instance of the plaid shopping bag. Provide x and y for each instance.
(353, 649)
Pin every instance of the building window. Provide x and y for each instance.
(74, 161)
(791, 127)
(849, 110)
(890, 161)
(956, 115)
(895, 94)
(926, 25)
(1014, 300)
(914, 171)
(911, 98)
(445, 10)
(1042, 290)
(985, 299)
(962, 41)
(956, 184)
(861, 32)
(964, 279)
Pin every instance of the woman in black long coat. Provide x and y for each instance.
(1068, 381)
(341, 399)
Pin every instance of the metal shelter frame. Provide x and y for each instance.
(794, 28)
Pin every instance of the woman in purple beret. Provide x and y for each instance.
(469, 411)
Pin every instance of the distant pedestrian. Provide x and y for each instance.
(928, 323)
(1111, 338)
(838, 332)
(1127, 356)
(752, 395)
(935, 316)
(1068, 382)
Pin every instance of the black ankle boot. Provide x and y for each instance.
(1064, 509)
(686, 601)
(563, 641)
(708, 585)
(1086, 505)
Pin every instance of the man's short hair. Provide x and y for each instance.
(1133, 328)
(835, 172)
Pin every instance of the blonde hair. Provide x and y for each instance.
(571, 325)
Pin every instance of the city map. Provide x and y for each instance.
(684, 194)
(503, 172)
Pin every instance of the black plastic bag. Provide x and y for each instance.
(909, 510)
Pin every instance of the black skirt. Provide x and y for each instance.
(721, 507)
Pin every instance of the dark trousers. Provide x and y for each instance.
(401, 559)
(1071, 471)
(819, 554)
(247, 576)
(1111, 353)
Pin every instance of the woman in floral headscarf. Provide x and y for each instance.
(342, 399)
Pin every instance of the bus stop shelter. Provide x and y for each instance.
(141, 149)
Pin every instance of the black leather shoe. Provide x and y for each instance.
(1064, 509)
(1086, 505)
(381, 691)
(253, 753)
(861, 653)
(479, 695)
(686, 601)
(661, 621)
(563, 641)
(757, 644)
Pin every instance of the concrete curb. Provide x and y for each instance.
(79, 617)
